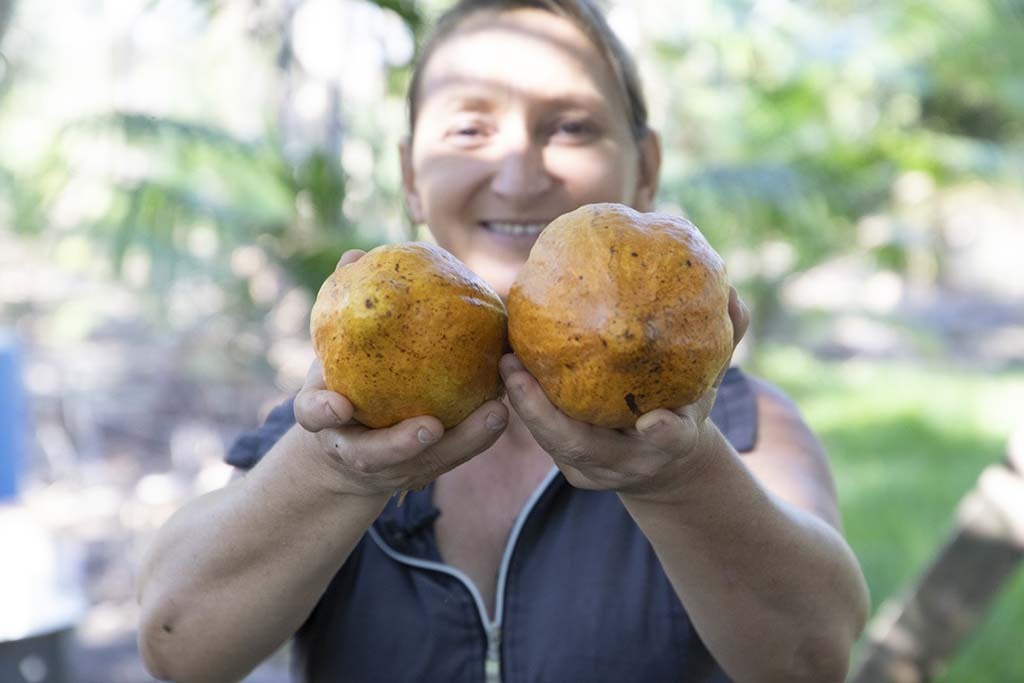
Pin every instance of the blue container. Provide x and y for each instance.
(12, 418)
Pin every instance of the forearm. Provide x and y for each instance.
(773, 590)
(233, 574)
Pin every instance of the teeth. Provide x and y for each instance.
(517, 228)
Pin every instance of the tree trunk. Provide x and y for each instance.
(6, 13)
(912, 639)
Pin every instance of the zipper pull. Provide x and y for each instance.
(492, 666)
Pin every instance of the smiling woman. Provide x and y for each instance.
(512, 126)
(546, 548)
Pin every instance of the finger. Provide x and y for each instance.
(317, 407)
(377, 449)
(314, 377)
(667, 431)
(549, 425)
(322, 409)
(350, 256)
(472, 436)
(740, 316)
(510, 363)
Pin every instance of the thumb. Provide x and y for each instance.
(667, 431)
(392, 445)
(316, 407)
(350, 256)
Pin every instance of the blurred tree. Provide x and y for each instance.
(792, 122)
(785, 124)
(6, 12)
(285, 192)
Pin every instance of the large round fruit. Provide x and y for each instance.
(409, 330)
(617, 313)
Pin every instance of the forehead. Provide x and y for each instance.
(525, 52)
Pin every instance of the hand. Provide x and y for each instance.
(405, 456)
(654, 454)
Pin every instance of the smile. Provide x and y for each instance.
(514, 228)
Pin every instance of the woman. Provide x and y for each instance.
(658, 553)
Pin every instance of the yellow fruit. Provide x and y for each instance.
(409, 330)
(617, 313)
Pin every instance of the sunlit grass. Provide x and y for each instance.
(906, 442)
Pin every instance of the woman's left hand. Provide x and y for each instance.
(656, 454)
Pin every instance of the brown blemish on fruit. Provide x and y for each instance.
(631, 404)
(427, 344)
(645, 327)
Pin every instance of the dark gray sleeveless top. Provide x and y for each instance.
(581, 595)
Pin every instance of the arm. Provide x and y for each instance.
(233, 574)
(751, 545)
(752, 548)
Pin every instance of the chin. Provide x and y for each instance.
(498, 275)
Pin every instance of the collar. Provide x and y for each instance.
(401, 524)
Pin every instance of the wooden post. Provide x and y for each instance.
(913, 637)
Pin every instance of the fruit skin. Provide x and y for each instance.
(409, 330)
(617, 313)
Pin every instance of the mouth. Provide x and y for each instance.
(514, 229)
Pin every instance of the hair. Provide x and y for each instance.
(583, 13)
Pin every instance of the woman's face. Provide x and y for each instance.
(520, 120)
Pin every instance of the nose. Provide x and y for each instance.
(520, 171)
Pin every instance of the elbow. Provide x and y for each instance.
(171, 650)
(155, 643)
(160, 644)
(822, 657)
(153, 658)
(820, 662)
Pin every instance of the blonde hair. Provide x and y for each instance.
(583, 13)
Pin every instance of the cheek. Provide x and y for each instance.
(446, 182)
(595, 175)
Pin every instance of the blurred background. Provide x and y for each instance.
(178, 176)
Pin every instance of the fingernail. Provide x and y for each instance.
(515, 390)
(330, 411)
(651, 426)
(494, 422)
(425, 435)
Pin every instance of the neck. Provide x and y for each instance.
(515, 451)
(517, 435)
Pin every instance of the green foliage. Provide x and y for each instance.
(407, 10)
(793, 122)
(783, 124)
(906, 443)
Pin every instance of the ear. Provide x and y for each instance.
(650, 168)
(409, 192)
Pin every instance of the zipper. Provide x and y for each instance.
(492, 627)
(492, 665)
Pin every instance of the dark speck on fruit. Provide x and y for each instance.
(631, 404)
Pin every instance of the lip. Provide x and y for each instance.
(489, 226)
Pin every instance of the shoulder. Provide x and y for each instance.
(788, 458)
(250, 447)
(777, 412)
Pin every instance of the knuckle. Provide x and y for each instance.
(360, 464)
(577, 451)
(432, 464)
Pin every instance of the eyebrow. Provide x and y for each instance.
(481, 97)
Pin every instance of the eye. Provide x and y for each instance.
(574, 129)
(466, 131)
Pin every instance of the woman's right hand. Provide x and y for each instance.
(405, 456)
